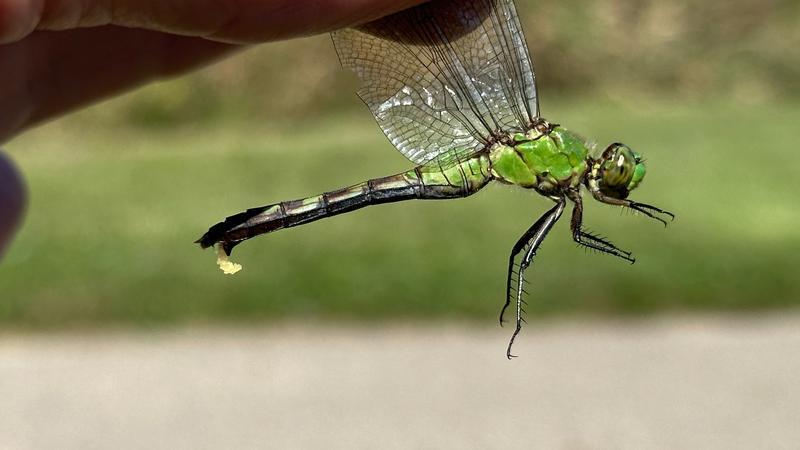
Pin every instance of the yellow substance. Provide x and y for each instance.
(227, 267)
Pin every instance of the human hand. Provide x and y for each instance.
(59, 55)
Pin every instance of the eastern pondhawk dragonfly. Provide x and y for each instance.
(452, 85)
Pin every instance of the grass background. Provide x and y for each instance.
(120, 191)
(110, 231)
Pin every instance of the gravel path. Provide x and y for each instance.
(678, 383)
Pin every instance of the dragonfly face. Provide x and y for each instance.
(618, 171)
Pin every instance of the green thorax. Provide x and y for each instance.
(545, 162)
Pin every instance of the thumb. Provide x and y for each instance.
(12, 201)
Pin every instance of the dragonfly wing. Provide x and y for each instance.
(444, 78)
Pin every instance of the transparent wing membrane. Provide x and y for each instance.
(444, 78)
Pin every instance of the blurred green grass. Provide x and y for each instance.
(707, 91)
(115, 209)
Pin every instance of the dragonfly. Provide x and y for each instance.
(452, 85)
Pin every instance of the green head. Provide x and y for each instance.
(619, 171)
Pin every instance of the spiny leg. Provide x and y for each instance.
(589, 240)
(515, 274)
(529, 243)
(648, 210)
(651, 211)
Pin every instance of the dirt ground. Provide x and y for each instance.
(677, 383)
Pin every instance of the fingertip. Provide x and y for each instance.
(12, 201)
(18, 18)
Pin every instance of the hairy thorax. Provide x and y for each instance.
(548, 162)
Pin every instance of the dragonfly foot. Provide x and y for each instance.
(651, 211)
(510, 355)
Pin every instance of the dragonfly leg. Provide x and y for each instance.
(651, 211)
(648, 210)
(527, 245)
(589, 240)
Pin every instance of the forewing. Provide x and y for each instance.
(444, 78)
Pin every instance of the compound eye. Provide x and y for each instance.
(619, 166)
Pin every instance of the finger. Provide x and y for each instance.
(12, 201)
(18, 18)
(49, 73)
(249, 21)
(241, 21)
